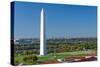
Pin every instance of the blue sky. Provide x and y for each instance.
(61, 20)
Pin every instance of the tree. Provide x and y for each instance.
(30, 59)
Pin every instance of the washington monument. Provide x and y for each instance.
(42, 34)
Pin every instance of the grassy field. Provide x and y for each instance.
(51, 56)
(65, 54)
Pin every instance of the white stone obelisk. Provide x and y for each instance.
(42, 34)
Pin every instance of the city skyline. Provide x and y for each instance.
(61, 20)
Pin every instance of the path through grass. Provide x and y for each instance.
(53, 56)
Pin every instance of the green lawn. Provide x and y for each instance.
(19, 59)
(64, 54)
